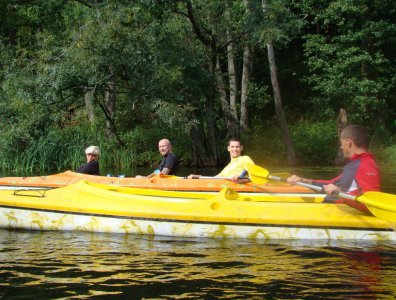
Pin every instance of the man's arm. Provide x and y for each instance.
(165, 171)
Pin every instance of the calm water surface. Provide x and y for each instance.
(56, 265)
(62, 265)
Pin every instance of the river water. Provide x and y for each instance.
(74, 265)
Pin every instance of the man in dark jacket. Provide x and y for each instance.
(92, 165)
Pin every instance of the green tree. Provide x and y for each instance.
(350, 59)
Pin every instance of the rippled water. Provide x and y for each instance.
(49, 265)
(75, 265)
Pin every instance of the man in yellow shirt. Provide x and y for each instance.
(238, 164)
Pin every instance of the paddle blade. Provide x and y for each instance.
(381, 205)
(257, 174)
(160, 175)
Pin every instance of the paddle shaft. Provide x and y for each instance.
(226, 178)
(313, 187)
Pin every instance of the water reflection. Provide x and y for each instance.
(82, 265)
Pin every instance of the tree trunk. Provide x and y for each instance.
(246, 71)
(108, 108)
(213, 152)
(209, 41)
(110, 99)
(232, 78)
(231, 122)
(233, 89)
(290, 154)
(209, 155)
(200, 158)
(247, 66)
(341, 123)
(232, 81)
(88, 98)
(211, 142)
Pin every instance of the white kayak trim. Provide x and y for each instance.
(36, 219)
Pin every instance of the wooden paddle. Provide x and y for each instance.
(381, 205)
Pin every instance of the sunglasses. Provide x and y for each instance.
(91, 154)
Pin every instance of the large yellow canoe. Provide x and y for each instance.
(156, 182)
(92, 207)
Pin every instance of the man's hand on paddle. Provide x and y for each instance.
(294, 179)
(330, 189)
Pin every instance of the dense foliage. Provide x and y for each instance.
(124, 74)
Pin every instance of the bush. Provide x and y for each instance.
(55, 149)
(264, 145)
(387, 157)
(315, 143)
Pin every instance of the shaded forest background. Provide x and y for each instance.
(124, 74)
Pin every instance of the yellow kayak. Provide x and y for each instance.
(161, 182)
(93, 207)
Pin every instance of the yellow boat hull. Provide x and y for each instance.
(89, 207)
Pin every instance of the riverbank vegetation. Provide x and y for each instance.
(124, 74)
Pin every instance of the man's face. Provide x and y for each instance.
(164, 147)
(346, 147)
(235, 149)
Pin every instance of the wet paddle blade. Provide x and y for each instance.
(257, 174)
(381, 205)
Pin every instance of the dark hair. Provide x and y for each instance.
(357, 134)
(234, 139)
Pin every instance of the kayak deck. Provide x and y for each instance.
(156, 182)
